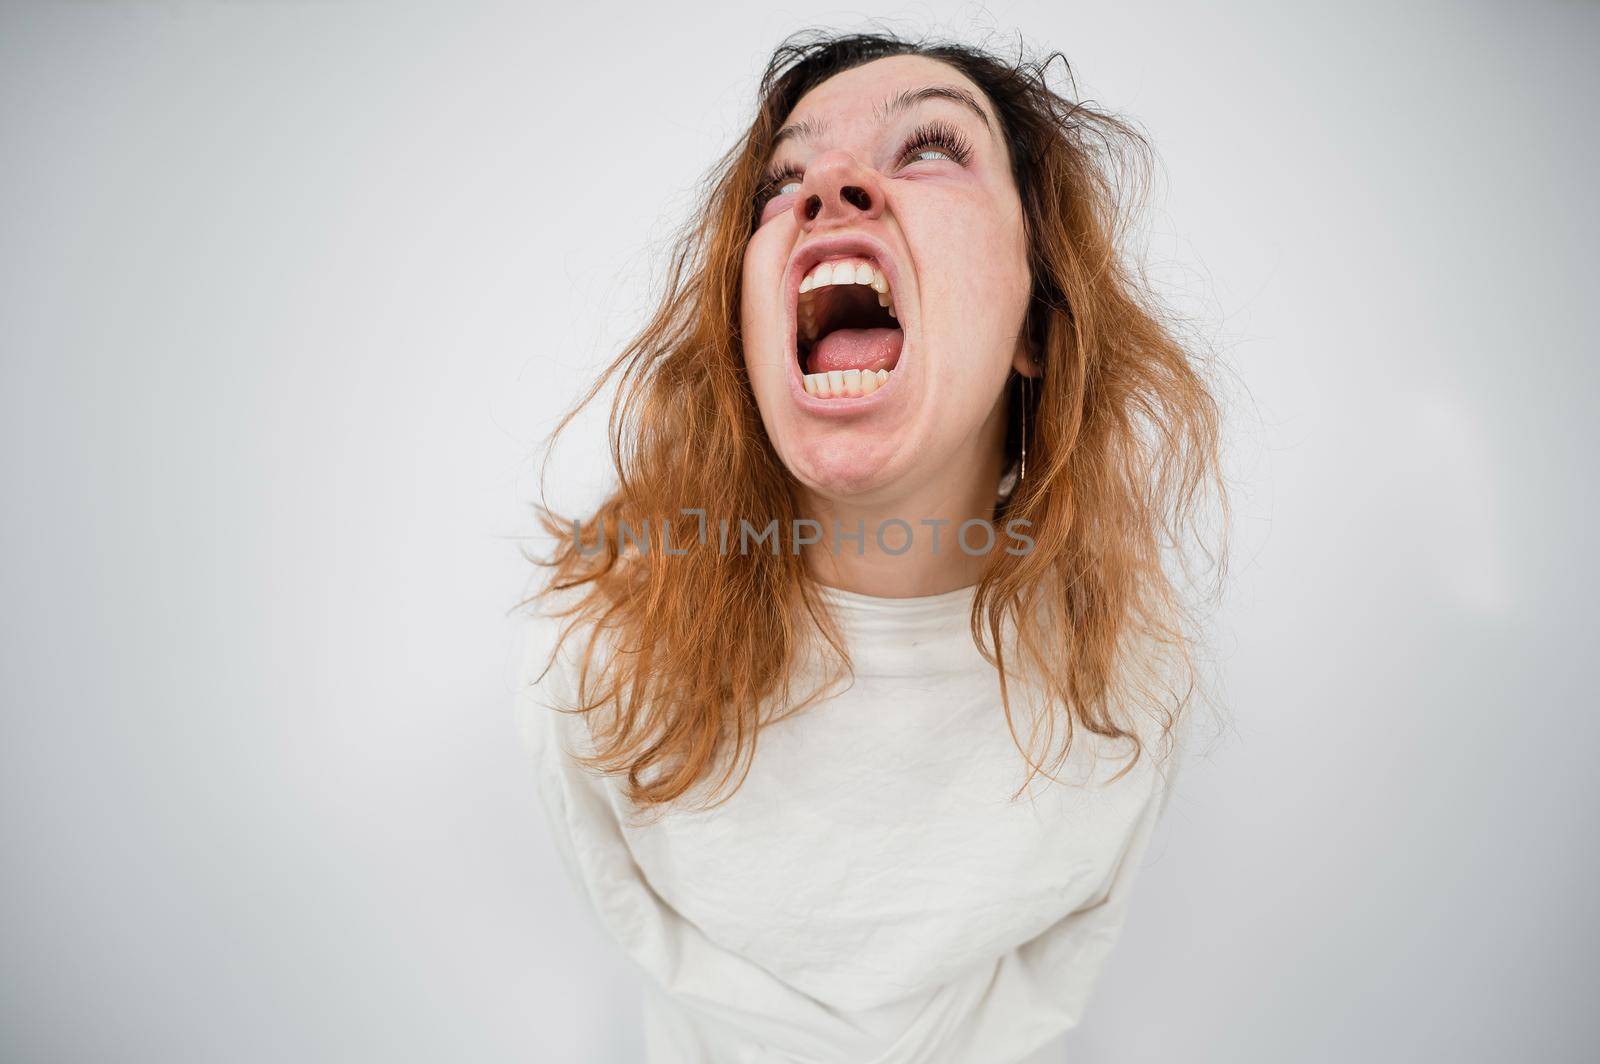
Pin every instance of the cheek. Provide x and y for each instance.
(760, 307)
(974, 260)
(762, 340)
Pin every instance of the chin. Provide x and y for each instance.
(843, 464)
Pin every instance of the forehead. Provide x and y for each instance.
(857, 92)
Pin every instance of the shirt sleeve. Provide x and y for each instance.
(1043, 988)
(703, 1003)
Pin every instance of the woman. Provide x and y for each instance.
(857, 700)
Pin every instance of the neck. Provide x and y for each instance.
(910, 543)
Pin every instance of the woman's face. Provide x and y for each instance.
(898, 186)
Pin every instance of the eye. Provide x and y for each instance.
(784, 181)
(935, 141)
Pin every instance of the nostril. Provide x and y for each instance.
(813, 207)
(857, 197)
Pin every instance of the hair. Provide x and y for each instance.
(1122, 437)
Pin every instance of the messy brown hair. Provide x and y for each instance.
(1122, 446)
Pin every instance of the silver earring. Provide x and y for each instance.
(1027, 390)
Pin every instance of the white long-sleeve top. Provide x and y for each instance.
(871, 893)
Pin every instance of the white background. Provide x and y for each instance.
(289, 294)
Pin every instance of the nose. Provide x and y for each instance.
(837, 190)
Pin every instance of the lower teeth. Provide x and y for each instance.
(844, 383)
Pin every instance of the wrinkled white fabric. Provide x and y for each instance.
(871, 894)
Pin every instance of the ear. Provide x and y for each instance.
(1023, 362)
(1023, 357)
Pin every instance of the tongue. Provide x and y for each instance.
(864, 349)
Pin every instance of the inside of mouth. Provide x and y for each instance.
(845, 328)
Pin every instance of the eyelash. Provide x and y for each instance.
(939, 135)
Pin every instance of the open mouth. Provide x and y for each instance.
(847, 336)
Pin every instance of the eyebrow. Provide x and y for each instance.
(900, 101)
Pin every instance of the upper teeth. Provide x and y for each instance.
(848, 271)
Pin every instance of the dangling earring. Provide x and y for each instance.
(1027, 390)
